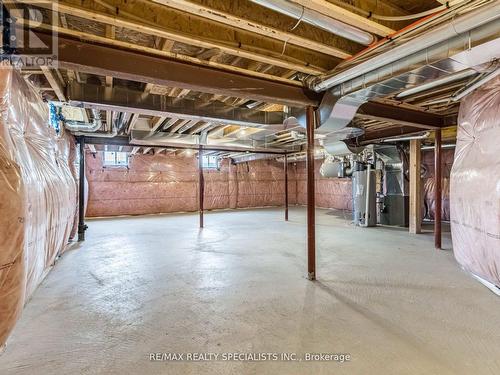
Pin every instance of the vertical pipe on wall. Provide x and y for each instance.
(437, 190)
(81, 191)
(311, 230)
(201, 183)
(286, 186)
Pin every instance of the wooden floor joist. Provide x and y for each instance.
(157, 31)
(344, 15)
(252, 26)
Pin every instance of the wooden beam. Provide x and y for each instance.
(157, 31)
(54, 82)
(251, 26)
(415, 187)
(131, 124)
(156, 123)
(179, 125)
(344, 15)
(134, 150)
(169, 123)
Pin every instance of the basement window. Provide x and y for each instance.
(209, 162)
(115, 159)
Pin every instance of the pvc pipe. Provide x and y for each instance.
(475, 85)
(317, 19)
(439, 82)
(409, 138)
(463, 24)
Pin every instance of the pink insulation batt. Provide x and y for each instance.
(475, 184)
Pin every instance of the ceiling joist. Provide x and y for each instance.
(146, 28)
(251, 26)
(344, 15)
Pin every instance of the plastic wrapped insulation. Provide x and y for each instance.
(38, 191)
(475, 184)
(164, 183)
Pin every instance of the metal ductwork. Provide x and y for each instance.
(86, 127)
(317, 19)
(252, 157)
(448, 32)
(145, 138)
(467, 42)
(133, 101)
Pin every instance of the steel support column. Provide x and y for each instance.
(201, 183)
(285, 167)
(81, 192)
(311, 202)
(437, 191)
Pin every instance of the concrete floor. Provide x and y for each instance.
(158, 284)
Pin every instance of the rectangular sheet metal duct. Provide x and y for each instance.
(125, 100)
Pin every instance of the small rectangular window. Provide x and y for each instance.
(209, 162)
(115, 159)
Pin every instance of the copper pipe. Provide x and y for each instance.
(201, 183)
(437, 190)
(286, 185)
(311, 230)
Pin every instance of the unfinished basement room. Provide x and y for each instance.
(250, 187)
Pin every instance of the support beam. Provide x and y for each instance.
(81, 192)
(201, 183)
(311, 201)
(400, 115)
(437, 191)
(101, 60)
(415, 187)
(285, 167)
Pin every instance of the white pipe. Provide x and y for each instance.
(319, 20)
(409, 138)
(462, 24)
(475, 85)
(439, 82)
